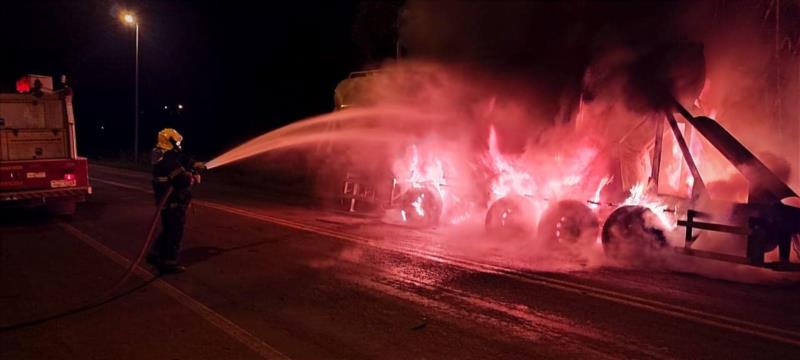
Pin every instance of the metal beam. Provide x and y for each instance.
(698, 187)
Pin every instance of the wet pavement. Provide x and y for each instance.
(271, 280)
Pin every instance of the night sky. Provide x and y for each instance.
(238, 69)
(241, 69)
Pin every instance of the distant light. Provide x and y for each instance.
(102, 127)
(180, 106)
(128, 18)
(166, 107)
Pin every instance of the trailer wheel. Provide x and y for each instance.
(567, 223)
(510, 215)
(631, 232)
(421, 207)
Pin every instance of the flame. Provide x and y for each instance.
(557, 175)
(542, 176)
(678, 169)
(422, 172)
(509, 178)
(640, 197)
(678, 178)
(595, 203)
(696, 149)
(569, 171)
(423, 167)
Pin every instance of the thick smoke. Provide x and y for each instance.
(597, 70)
(636, 55)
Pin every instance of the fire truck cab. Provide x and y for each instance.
(39, 162)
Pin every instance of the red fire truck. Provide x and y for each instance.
(39, 163)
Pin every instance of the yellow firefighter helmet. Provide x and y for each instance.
(168, 137)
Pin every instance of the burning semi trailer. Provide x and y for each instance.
(653, 196)
(648, 220)
(634, 203)
(617, 152)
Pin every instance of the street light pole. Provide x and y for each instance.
(129, 19)
(136, 102)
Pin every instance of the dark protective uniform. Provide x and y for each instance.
(170, 170)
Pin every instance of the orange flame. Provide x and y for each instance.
(508, 179)
(595, 203)
(639, 196)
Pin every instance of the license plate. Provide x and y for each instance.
(62, 183)
(36, 175)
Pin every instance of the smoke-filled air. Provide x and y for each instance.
(529, 133)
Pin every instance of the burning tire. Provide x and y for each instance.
(631, 232)
(421, 207)
(567, 223)
(511, 215)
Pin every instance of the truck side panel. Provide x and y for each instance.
(38, 161)
(33, 128)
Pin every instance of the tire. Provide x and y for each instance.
(568, 223)
(421, 207)
(510, 215)
(632, 232)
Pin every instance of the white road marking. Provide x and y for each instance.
(229, 327)
(698, 316)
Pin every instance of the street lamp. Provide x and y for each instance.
(130, 19)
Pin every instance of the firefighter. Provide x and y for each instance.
(171, 169)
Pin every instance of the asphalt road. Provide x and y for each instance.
(271, 280)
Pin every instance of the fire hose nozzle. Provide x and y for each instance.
(197, 168)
